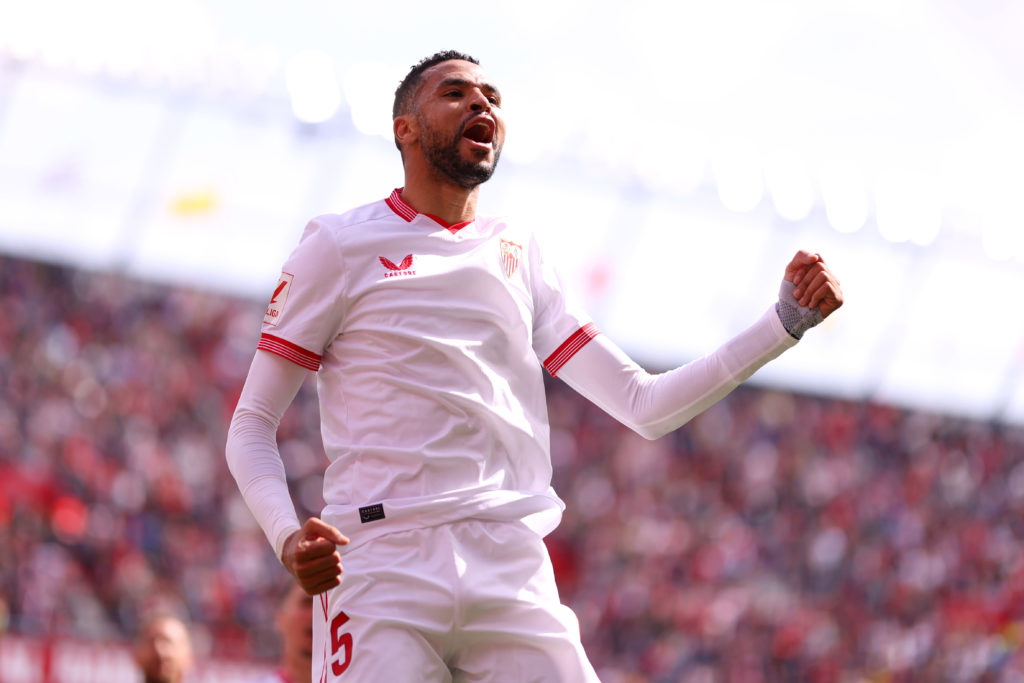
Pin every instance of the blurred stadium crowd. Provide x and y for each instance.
(776, 537)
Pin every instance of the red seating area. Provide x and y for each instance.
(776, 537)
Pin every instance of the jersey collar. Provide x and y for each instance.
(405, 210)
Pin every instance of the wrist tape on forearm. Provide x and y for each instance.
(795, 318)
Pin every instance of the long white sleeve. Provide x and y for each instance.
(251, 450)
(654, 405)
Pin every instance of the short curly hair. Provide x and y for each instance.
(406, 91)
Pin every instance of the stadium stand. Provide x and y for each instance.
(776, 537)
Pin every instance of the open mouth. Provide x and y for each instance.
(481, 131)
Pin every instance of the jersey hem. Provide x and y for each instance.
(541, 512)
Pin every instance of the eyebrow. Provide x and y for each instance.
(462, 82)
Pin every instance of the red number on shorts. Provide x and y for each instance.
(338, 641)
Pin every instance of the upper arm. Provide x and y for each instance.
(271, 386)
(560, 325)
(308, 307)
(606, 376)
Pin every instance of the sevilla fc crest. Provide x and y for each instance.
(511, 255)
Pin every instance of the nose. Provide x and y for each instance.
(479, 102)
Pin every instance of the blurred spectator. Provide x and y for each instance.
(163, 650)
(294, 623)
(776, 537)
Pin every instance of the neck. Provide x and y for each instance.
(440, 197)
(295, 671)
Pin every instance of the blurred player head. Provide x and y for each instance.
(294, 621)
(447, 114)
(163, 650)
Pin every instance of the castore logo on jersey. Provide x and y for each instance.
(403, 268)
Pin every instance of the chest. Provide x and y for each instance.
(455, 278)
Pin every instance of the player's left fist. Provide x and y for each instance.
(814, 284)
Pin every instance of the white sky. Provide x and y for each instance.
(713, 137)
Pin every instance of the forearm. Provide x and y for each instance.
(653, 405)
(251, 451)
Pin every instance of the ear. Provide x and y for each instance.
(406, 130)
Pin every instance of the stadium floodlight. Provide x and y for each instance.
(370, 91)
(845, 196)
(312, 86)
(737, 173)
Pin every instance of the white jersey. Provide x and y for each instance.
(430, 344)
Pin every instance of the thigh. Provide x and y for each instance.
(391, 616)
(513, 624)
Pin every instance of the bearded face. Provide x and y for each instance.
(443, 152)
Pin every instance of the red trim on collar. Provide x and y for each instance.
(450, 228)
(408, 213)
(399, 206)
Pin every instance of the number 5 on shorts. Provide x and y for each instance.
(338, 641)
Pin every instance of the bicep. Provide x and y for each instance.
(271, 386)
(603, 374)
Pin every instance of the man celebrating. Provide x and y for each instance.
(430, 327)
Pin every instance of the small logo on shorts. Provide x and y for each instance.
(371, 513)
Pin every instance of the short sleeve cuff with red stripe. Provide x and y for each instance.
(570, 347)
(311, 361)
(290, 351)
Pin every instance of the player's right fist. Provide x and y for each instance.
(814, 284)
(809, 293)
(311, 556)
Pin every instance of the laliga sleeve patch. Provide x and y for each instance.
(276, 305)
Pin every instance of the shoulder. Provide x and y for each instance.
(338, 224)
(508, 228)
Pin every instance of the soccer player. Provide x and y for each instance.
(163, 650)
(294, 623)
(429, 328)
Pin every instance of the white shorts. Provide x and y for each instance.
(468, 601)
